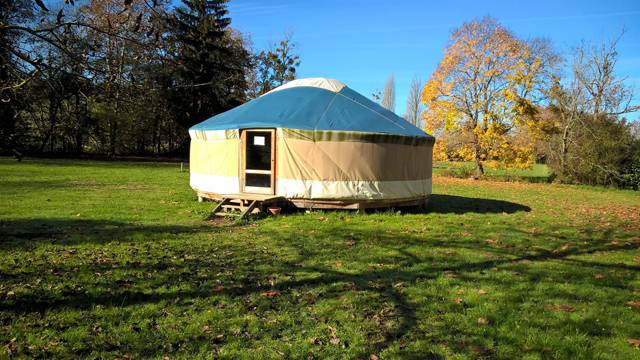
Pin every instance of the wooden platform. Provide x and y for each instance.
(266, 200)
(243, 196)
(358, 204)
(240, 205)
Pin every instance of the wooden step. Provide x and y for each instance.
(220, 205)
(237, 207)
(240, 208)
(236, 214)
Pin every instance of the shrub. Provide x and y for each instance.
(631, 175)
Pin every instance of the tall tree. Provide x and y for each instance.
(13, 75)
(481, 90)
(212, 62)
(389, 94)
(118, 47)
(64, 52)
(413, 111)
(273, 67)
(589, 141)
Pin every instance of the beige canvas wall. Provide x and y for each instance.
(318, 169)
(213, 162)
(343, 160)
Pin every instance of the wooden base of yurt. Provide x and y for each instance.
(317, 204)
(357, 204)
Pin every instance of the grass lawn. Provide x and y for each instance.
(537, 173)
(106, 260)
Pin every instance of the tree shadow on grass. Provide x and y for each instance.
(385, 281)
(245, 283)
(28, 233)
(453, 204)
(448, 204)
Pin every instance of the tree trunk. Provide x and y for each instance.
(156, 135)
(477, 151)
(479, 166)
(53, 117)
(564, 151)
(113, 134)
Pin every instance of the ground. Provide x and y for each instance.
(115, 260)
(537, 173)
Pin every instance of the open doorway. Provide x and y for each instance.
(258, 161)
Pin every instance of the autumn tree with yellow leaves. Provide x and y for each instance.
(480, 97)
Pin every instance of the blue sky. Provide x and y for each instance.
(361, 42)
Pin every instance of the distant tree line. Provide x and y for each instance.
(502, 101)
(123, 77)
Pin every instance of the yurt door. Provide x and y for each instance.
(258, 162)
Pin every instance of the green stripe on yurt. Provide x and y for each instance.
(318, 135)
(216, 134)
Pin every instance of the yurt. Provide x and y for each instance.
(315, 143)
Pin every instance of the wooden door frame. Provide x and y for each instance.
(243, 159)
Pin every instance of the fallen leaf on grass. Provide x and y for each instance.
(634, 342)
(271, 294)
(217, 339)
(483, 321)
(560, 307)
(598, 276)
(561, 248)
(481, 351)
(490, 241)
(634, 304)
(457, 300)
(218, 289)
(310, 298)
(95, 330)
(450, 274)
(482, 292)
(334, 337)
(373, 357)
(350, 286)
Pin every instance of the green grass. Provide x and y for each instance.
(537, 173)
(106, 260)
